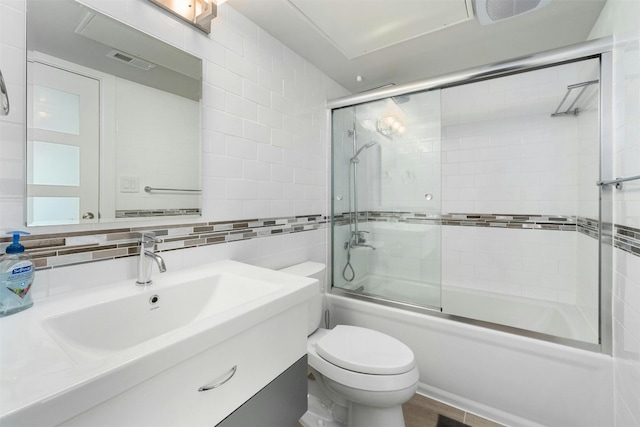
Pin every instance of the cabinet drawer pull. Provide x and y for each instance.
(232, 372)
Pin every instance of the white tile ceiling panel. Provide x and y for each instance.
(358, 27)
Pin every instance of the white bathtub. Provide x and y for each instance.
(546, 317)
(514, 380)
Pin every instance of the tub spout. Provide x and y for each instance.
(359, 245)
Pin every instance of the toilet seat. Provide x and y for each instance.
(365, 351)
(358, 380)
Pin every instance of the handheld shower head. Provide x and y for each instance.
(368, 145)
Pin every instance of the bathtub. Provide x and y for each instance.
(512, 379)
(527, 314)
(545, 317)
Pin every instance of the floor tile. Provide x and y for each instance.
(476, 421)
(421, 411)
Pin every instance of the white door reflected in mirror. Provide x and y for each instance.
(63, 138)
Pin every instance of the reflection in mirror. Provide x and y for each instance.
(110, 111)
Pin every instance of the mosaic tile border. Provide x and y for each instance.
(589, 227)
(147, 213)
(624, 238)
(537, 222)
(63, 249)
(542, 222)
(627, 239)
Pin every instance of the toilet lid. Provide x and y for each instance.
(366, 351)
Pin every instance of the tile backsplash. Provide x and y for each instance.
(64, 249)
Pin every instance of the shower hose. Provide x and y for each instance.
(348, 265)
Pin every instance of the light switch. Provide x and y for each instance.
(129, 184)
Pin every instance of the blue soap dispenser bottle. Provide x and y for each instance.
(16, 277)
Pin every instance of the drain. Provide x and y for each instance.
(154, 299)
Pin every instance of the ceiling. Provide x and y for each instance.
(400, 41)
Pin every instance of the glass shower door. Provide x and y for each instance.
(387, 199)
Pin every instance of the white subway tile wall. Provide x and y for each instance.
(264, 140)
(504, 154)
(529, 263)
(262, 103)
(620, 18)
(167, 145)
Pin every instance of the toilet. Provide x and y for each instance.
(359, 377)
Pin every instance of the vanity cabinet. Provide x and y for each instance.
(205, 389)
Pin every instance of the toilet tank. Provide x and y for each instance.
(314, 270)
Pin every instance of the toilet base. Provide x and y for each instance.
(323, 412)
(360, 416)
(367, 416)
(318, 417)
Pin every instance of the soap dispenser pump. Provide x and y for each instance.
(16, 277)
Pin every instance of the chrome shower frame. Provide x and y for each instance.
(600, 48)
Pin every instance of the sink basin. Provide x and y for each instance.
(72, 352)
(126, 322)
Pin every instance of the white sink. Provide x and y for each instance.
(126, 322)
(71, 352)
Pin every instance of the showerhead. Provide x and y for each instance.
(401, 99)
(368, 145)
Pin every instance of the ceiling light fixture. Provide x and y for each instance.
(390, 125)
(198, 13)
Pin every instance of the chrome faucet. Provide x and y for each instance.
(147, 242)
(358, 240)
(361, 245)
(358, 237)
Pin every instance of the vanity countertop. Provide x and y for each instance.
(45, 381)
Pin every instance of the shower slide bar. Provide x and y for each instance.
(618, 181)
(150, 189)
(571, 111)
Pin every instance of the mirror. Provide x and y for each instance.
(113, 120)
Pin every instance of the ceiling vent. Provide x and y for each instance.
(491, 11)
(130, 60)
